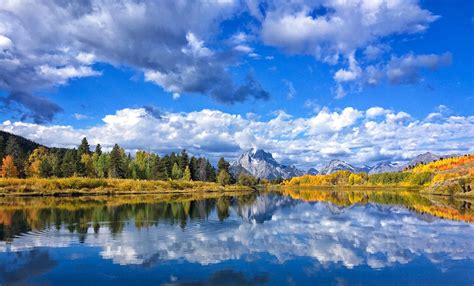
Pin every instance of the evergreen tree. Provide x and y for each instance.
(98, 150)
(84, 148)
(13, 148)
(222, 164)
(69, 163)
(211, 172)
(183, 160)
(117, 166)
(161, 170)
(194, 168)
(2, 147)
(46, 167)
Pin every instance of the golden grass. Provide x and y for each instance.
(89, 186)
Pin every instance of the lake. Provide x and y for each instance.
(289, 237)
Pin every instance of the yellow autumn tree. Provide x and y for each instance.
(8, 168)
(34, 162)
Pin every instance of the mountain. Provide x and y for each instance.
(385, 167)
(261, 164)
(26, 146)
(312, 171)
(423, 158)
(338, 165)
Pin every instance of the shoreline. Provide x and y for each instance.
(75, 187)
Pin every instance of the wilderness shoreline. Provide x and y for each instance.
(93, 187)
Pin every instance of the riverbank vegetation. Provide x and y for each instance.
(29, 168)
(453, 209)
(93, 186)
(450, 176)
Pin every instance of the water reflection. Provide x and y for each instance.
(353, 229)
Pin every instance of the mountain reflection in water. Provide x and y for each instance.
(332, 229)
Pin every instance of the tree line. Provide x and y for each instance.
(44, 162)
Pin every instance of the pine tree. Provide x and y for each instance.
(183, 160)
(161, 171)
(194, 168)
(117, 166)
(84, 148)
(211, 172)
(98, 150)
(13, 148)
(2, 147)
(69, 163)
(222, 164)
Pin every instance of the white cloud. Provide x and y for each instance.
(349, 134)
(344, 27)
(5, 43)
(406, 69)
(350, 74)
(46, 43)
(375, 112)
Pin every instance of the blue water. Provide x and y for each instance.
(268, 239)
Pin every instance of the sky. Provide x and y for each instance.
(309, 81)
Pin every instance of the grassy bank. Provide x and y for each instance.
(450, 177)
(88, 186)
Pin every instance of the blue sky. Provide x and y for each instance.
(295, 63)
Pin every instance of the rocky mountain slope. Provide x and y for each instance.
(261, 164)
(338, 165)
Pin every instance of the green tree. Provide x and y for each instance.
(84, 148)
(223, 178)
(46, 167)
(69, 163)
(183, 160)
(2, 147)
(222, 164)
(88, 165)
(247, 180)
(187, 174)
(13, 148)
(176, 172)
(117, 162)
(98, 150)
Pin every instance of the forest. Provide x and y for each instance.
(27, 159)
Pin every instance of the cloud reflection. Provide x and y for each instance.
(373, 235)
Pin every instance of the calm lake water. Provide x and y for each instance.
(280, 238)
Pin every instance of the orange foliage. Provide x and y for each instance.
(8, 168)
(447, 164)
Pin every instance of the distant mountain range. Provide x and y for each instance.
(261, 164)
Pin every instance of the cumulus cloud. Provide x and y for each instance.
(46, 43)
(327, 28)
(406, 69)
(336, 31)
(357, 136)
